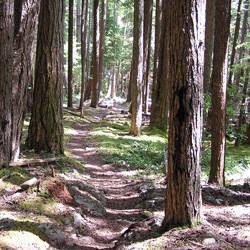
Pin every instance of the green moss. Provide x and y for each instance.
(17, 175)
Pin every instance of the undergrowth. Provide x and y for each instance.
(133, 153)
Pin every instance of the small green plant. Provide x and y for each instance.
(134, 153)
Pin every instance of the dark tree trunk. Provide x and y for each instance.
(209, 44)
(159, 110)
(46, 128)
(148, 8)
(25, 28)
(219, 82)
(70, 53)
(84, 25)
(137, 69)
(96, 55)
(185, 81)
(6, 63)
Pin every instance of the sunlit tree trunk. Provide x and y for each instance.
(84, 28)
(185, 24)
(96, 55)
(137, 69)
(46, 128)
(70, 53)
(219, 84)
(26, 18)
(6, 63)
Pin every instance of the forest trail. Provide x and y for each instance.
(125, 199)
(90, 205)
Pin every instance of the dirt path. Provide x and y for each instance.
(125, 199)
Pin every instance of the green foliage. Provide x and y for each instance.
(237, 159)
(116, 146)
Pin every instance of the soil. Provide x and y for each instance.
(103, 206)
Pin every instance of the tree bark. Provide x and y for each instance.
(219, 84)
(185, 81)
(84, 28)
(25, 30)
(46, 128)
(6, 64)
(137, 69)
(148, 8)
(159, 108)
(235, 39)
(79, 20)
(70, 53)
(209, 44)
(96, 55)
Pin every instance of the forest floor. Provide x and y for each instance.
(92, 205)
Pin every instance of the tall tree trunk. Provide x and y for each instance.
(148, 8)
(219, 84)
(70, 53)
(79, 20)
(25, 33)
(46, 128)
(84, 28)
(96, 55)
(243, 36)
(102, 40)
(159, 110)
(241, 117)
(235, 39)
(6, 64)
(209, 44)
(137, 69)
(185, 80)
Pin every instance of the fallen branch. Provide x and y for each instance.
(23, 163)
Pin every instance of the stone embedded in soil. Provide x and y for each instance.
(53, 233)
(209, 241)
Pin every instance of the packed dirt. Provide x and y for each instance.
(102, 206)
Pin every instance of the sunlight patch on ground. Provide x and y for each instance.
(22, 240)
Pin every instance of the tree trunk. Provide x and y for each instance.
(25, 30)
(159, 110)
(46, 128)
(79, 20)
(185, 80)
(209, 44)
(96, 55)
(70, 53)
(148, 7)
(241, 117)
(84, 25)
(235, 39)
(219, 83)
(6, 64)
(102, 40)
(137, 69)
(244, 31)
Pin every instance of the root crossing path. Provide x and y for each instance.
(115, 212)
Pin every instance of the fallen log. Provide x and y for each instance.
(24, 163)
(30, 183)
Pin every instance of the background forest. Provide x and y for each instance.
(157, 89)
